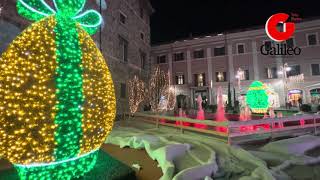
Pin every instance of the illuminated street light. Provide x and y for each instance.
(240, 76)
(288, 69)
(283, 71)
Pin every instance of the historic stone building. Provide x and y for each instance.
(200, 65)
(125, 38)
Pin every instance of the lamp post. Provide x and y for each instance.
(211, 98)
(239, 76)
(283, 71)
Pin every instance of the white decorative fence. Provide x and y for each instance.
(234, 132)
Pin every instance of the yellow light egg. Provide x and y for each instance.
(29, 102)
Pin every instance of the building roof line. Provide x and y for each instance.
(231, 31)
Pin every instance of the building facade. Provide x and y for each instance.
(124, 39)
(198, 66)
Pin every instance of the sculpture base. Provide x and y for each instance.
(106, 167)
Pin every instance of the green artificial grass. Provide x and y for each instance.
(106, 168)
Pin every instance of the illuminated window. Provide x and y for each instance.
(180, 79)
(221, 76)
(243, 75)
(199, 80)
(271, 73)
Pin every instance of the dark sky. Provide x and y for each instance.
(177, 19)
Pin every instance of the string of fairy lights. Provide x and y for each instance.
(158, 88)
(136, 93)
(28, 96)
(159, 92)
(57, 97)
(171, 95)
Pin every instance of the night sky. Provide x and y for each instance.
(178, 19)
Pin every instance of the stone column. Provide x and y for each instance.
(210, 75)
(230, 64)
(170, 66)
(283, 93)
(189, 67)
(189, 74)
(255, 60)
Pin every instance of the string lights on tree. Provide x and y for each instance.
(171, 95)
(158, 89)
(136, 93)
(57, 100)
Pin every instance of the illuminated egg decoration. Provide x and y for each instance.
(257, 97)
(57, 100)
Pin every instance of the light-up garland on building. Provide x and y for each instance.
(257, 97)
(57, 101)
(136, 93)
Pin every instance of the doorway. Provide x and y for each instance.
(315, 96)
(205, 97)
(294, 96)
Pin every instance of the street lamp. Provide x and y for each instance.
(211, 97)
(240, 76)
(283, 71)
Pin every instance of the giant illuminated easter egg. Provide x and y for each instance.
(57, 100)
(257, 97)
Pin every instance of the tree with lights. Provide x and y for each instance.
(158, 86)
(136, 93)
(171, 98)
(257, 97)
(57, 99)
(161, 96)
(171, 95)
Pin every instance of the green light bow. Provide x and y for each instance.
(35, 10)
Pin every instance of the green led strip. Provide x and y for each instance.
(69, 89)
(257, 97)
(76, 167)
(69, 83)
